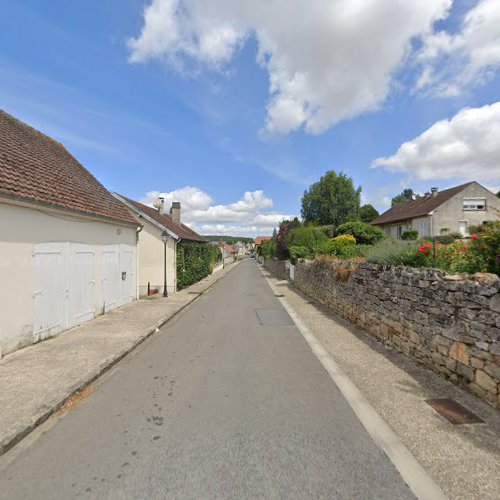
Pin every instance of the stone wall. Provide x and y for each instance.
(451, 324)
(280, 268)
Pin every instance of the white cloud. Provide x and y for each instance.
(452, 61)
(327, 60)
(466, 146)
(248, 216)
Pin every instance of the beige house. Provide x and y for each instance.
(67, 247)
(442, 212)
(158, 239)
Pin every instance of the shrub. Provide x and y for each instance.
(365, 234)
(329, 230)
(268, 248)
(342, 246)
(393, 252)
(409, 235)
(195, 261)
(300, 252)
(446, 239)
(309, 237)
(487, 244)
(457, 235)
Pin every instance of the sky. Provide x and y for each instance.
(234, 108)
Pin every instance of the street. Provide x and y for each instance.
(226, 401)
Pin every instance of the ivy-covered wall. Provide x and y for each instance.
(195, 261)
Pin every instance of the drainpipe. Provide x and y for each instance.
(138, 230)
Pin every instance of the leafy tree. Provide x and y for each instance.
(308, 237)
(498, 194)
(367, 213)
(404, 197)
(331, 200)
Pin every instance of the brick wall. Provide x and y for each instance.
(450, 324)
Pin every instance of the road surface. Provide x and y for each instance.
(227, 401)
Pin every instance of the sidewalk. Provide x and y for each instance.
(463, 459)
(36, 381)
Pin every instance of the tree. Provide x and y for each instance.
(331, 200)
(404, 197)
(498, 194)
(367, 213)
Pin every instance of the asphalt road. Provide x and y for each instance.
(227, 401)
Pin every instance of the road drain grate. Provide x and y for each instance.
(278, 295)
(453, 411)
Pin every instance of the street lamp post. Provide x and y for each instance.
(164, 238)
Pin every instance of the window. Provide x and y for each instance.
(474, 203)
(400, 231)
(420, 227)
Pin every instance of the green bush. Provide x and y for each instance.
(310, 237)
(409, 235)
(299, 252)
(393, 252)
(195, 261)
(329, 231)
(487, 244)
(365, 234)
(445, 239)
(268, 249)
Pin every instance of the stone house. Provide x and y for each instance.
(67, 246)
(442, 212)
(152, 250)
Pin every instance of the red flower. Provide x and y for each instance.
(474, 236)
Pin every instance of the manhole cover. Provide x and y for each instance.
(273, 317)
(453, 411)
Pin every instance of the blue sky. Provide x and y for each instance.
(157, 95)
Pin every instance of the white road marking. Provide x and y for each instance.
(416, 477)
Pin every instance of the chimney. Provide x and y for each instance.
(434, 191)
(175, 212)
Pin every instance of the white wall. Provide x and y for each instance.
(151, 259)
(22, 228)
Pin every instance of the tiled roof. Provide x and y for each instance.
(418, 207)
(260, 239)
(165, 220)
(35, 168)
(230, 248)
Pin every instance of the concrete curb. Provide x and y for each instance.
(51, 407)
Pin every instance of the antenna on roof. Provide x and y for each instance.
(159, 204)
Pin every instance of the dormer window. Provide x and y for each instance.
(474, 204)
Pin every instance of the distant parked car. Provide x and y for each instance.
(252, 256)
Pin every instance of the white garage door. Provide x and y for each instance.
(110, 269)
(127, 265)
(118, 275)
(81, 284)
(50, 294)
(64, 294)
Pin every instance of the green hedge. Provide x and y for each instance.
(195, 261)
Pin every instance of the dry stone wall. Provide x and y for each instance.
(280, 268)
(451, 324)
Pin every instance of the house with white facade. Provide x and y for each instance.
(67, 246)
(438, 213)
(157, 245)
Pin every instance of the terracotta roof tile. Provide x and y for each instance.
(36, 168)
(260, 239)
(183, 231)
(418, 207)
